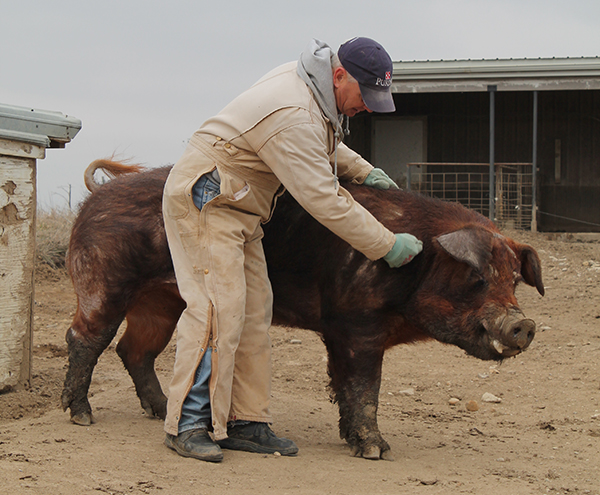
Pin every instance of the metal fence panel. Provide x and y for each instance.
(469, 184)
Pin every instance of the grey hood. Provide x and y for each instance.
(314, 68)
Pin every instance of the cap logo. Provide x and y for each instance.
(384, 82)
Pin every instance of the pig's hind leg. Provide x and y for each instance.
(85, 342)
(151, 320)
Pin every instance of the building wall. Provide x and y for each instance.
(573, 117)
(458, 131)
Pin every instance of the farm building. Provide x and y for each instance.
(524, 123)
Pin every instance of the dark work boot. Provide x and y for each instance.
(195, 443)
(257, 437)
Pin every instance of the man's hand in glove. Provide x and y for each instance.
(406, 247)
(378, 179)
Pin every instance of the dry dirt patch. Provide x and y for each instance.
(542, 437)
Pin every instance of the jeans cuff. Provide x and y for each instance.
(193, 426)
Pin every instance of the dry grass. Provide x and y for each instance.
(52, 237)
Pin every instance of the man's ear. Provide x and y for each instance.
(339, 74)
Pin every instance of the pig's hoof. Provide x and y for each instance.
(155, 408)
(82, 419)
(149, 412)
(387, 455)
(152, 414)
(372, 452)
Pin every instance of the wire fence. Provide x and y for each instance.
(469, 184)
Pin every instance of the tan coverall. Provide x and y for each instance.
(273, 134)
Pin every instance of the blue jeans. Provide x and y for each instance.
(195, 412)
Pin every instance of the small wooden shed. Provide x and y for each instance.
(25, 134)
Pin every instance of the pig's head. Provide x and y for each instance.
(468, 298)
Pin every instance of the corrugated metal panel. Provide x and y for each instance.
(25, 137)
(473, 69)
(40, 127)
(508, 74)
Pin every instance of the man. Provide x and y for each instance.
(285, 130)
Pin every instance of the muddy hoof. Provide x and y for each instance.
(387, 456)
(372, 452)
(152, 414)
(83, 419)
(149, 412)
(155, 408)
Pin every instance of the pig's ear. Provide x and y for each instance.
(531, 268)
(470, 245)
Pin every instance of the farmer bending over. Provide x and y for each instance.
(284, 132)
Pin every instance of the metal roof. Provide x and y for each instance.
(525, 74)
(43, 128)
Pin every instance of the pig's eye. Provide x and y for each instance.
(480, 284)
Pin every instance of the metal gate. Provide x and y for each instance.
(469, 184)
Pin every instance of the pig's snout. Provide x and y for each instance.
(519, 334)
(516, 333)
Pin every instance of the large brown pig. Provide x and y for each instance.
(460, 290)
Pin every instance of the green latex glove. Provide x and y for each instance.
(406, 247)
(378, 179)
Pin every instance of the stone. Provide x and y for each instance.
(487, 397)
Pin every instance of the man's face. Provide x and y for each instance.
(347, 94)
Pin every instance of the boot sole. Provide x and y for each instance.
(186, 453)
(248, 446)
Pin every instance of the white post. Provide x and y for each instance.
(17, 256)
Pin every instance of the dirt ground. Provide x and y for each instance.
(543, 437)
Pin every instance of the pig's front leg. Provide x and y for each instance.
(355, 370)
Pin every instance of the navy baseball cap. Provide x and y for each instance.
(369, 63)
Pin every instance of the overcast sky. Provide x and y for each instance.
(142, 75)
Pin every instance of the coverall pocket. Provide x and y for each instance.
(206, 189)
(233, 188)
